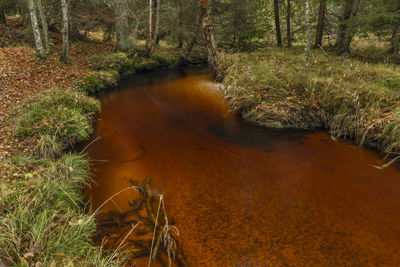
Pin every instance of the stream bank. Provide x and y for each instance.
(352, 99)
(42, 205)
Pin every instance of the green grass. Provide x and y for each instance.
(353, 99)
(43, 214)
(56, 120)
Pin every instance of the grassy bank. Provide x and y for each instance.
(42, 210)
(352, 99)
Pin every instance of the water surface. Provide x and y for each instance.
(241, 195)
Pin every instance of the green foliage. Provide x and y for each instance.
(56, 120)
(278, 88)
(43, 214)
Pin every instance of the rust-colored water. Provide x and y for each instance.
(242, 195)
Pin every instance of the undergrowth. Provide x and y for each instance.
(353, 99)
(42, 214)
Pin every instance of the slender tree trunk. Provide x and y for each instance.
(288, 12)
(35, 27)
(321, 24)
(343, 26)
(65, 33)
(234, 22)
(208, 34)
(135, 31)
(308, 29)
(3, 19)
(45, 27)
(150, 36)
(156, 27)
(122, 25)
(277, 23)
(395, 40)
(180, 24)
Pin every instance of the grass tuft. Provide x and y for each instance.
(56, 120)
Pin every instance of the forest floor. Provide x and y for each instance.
(349, 97)
(23, 74)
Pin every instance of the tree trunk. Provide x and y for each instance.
(65, 34)
(135, 31)
(308, 29)
(288, 33)
(3, 19)
(395, 40)
(45, 27)
(156, 27)
(150, 36)
(35, 27)
(122, 25)
(277, 23)
(321, 24)
(350, 31)
(180, 24)
(208, 34)
(346, 31)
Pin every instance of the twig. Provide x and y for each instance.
(90, 144)
(154, 232)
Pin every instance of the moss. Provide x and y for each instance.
(278, 88)
(114, 61)
(98, 81)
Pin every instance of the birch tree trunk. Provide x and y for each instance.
(156, 27)
(277, 23)
(321, 24)
(288, 33)
(122, 25)
(65, 36)
(150, 36)
(45, 27)
(180, 24)
(35, 27)
(308, 29)
(208, 34)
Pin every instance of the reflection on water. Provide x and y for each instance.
(239, 194)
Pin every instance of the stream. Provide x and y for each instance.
(240, 195)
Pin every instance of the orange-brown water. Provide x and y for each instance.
(242, 195)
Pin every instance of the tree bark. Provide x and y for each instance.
(122, 25)
(150, 36)
(65, 34)
(321, 24)
(45, 26)
(156, 27)
(288, 33)
(180, 24)
(308, 29)
(208, 34)
(3, 19)
(395, 40)
(277, 23)
(345, 31)
(35, 27)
